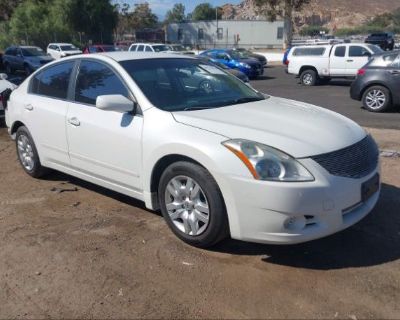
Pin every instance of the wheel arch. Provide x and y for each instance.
(15, 126)
(308, 67)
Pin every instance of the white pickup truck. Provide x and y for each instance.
(321, 63)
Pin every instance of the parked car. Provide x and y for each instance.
(236, 60)
(219, 159)
(314, 64)
(235, 72)
(62, 50)
(378, 82)
(149, 47)
(178, 48)
(24, 58)
(385, 40)
(262, 59)
(99, 48)
(4, 85)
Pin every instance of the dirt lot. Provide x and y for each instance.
(69, 249)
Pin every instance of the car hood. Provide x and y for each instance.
(38, 59)
(250, 61)
(299, 129)
(257, 56)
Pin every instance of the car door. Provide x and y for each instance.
(392, 78)
(105, 145)
(338, 62)
(46, 111)
(19, 59)
(357, 57)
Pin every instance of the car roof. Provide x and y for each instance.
(59, 44)
(129, 55)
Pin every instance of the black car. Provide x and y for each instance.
(378, 82)
(385, 40)
(259, 57)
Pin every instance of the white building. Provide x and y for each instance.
(227, 33)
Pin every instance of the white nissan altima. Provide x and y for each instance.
(217, 157)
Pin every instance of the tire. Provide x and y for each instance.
(198, 218)
(8, 68)
(377, 99)
(308, 78)
(28, 155)
(27, 70)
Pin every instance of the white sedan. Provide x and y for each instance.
(217, 157)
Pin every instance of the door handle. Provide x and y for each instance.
(28, 107)
(350, 60)
(74, 121)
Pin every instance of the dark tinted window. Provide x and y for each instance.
(53, 82)
(11, 51)
(309, 51)
(148, 49)
(357, 51)
(340, 51)
(140, 48)
(96, 79)
(133, 48)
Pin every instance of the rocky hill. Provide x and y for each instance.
(329, 13)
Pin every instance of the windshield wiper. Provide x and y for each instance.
(196, 108)
(247, 99)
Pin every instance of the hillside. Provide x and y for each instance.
(329, 13)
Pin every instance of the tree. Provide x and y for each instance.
(143, 17)
(94, 18)
(283, 8)
(40, 22)
(176, 14)
(124, 16)
(7, 8)
(206, 11)
(313, 30)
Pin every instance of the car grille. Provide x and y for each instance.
(355, 161)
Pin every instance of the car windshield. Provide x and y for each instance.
(32, 52)
(177, 48)
(173, 84)
(109, 48)
(68, 47)
(237, 55)
(375, 49)
(159, 48)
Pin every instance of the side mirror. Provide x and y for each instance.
(3, 76)
(115, 102)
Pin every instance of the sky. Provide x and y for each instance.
(160, 7)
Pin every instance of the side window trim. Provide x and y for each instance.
(73, 83)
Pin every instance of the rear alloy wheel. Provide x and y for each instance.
(28, 155)
(376, 99)
(27, 70)
(309, 78)
(192, 204)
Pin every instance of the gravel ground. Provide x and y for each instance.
(69, 249)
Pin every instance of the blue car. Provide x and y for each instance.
(236, 60)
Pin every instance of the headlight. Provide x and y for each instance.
(245, 65)
(266, 163)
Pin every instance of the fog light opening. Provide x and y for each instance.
(295, 223)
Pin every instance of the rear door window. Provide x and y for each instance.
(140, 48)
(53, 81)
(133, 48)
(340, 51)
(309, 51)
(148, 49)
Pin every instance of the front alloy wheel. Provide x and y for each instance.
(192, 204)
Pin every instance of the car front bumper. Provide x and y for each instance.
(295, 212)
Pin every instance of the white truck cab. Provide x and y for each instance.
(320, 63)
